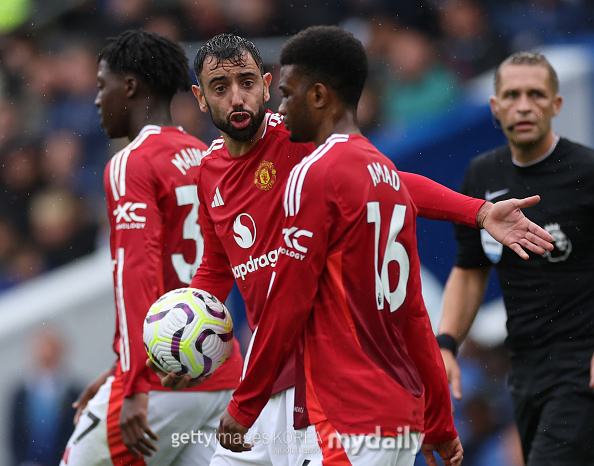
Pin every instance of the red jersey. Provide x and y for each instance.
(240, 217)
(155, 241)
(347, 289)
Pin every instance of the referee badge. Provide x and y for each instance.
(265, 176)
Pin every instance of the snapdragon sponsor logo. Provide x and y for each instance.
(265, 260)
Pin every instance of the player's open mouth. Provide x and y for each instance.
(240, 120)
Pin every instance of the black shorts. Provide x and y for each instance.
(556, 428)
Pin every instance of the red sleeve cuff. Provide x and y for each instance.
(244, 418)
(434, 437)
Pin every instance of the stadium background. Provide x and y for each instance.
(425, 106)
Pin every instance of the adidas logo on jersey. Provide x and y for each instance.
(218, 200)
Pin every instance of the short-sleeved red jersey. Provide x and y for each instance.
(156, 245)
(347, 290)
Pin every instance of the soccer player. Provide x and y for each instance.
(240, 188)
(156, 246)
(368, 364)
(549, 300)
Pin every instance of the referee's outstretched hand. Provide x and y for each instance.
(505, 221)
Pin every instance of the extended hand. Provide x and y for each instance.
(507, 224)
(136, 432)
(450, 452)
(231, 434)
(174, 382)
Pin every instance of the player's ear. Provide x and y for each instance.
(130, 85)
(318, 95)
(199, 94)
(267, 78)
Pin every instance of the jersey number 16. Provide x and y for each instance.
(394, 251)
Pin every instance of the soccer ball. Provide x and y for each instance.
(188, 331)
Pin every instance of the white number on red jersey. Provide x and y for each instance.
(185, 272)
(394, 251)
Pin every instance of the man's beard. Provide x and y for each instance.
(244, 134)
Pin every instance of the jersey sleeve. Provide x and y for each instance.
(278, 331)
(214, 274)
(437, 202)
(470, 253)
(137, 265)
(425, 353)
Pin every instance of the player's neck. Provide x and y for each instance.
(158, 116)
(338, 122)
(239, 148)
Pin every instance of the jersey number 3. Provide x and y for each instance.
(187, 195)
(394, 252)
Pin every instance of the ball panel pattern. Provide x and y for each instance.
(188, 331)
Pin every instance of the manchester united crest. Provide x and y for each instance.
(265, 176)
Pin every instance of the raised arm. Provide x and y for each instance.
(506, 222)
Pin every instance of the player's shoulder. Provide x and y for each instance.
(215, 149)
(154, 141)
(171, 139)
(340, 146)
(332, 155)
(157, 150)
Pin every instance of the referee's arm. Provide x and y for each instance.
(463, 295)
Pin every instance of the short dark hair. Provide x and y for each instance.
(331, 55)
(158, 61)
(227, 47)
(528, 58)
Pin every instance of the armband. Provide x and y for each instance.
(448, 342)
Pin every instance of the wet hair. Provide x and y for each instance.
(156, 60)
(332, 56)
(227, 47)
(528, 58)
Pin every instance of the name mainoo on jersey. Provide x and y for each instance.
(382, 174)
(187, 158)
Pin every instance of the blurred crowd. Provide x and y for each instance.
(53, 150)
